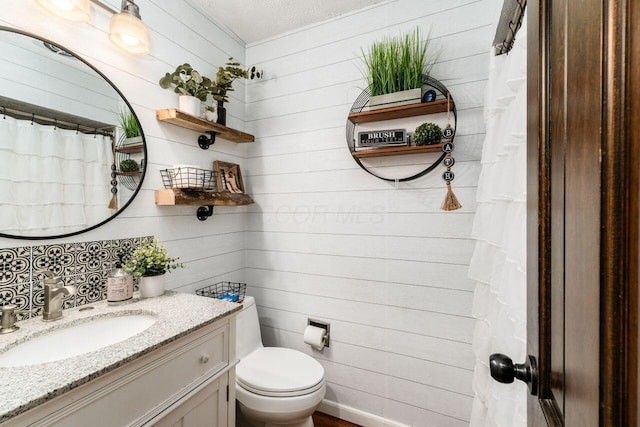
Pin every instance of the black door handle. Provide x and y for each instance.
(505, 371)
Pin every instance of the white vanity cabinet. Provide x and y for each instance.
(182, 383)
(208, 407)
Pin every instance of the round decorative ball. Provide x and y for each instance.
(129, 165)
(427, 134)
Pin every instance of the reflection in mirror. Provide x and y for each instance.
(72, 152)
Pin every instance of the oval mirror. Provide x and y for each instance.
(72, 151)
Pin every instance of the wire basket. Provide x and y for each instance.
(189, 178)
(227, 291)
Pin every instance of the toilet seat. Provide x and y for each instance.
(279, 372)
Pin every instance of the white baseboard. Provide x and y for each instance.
(356, 416)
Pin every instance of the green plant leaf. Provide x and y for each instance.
(397, 63)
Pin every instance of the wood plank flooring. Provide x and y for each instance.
(323, 420)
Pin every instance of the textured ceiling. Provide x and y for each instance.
(254, 20)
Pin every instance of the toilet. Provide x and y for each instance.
(275, 386)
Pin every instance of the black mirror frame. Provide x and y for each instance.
(144, 168)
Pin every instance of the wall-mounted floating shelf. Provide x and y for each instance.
(397, 151)
(433, 107)
(136, 173)
(131, 149)
(187, 121)
(176, 197)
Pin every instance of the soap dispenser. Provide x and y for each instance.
(119, 284)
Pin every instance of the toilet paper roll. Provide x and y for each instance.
(314, 336)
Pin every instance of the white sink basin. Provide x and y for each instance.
(75, 340)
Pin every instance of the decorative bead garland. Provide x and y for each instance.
(450, 202)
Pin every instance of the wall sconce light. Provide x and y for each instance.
(126, 30)
(72, 10)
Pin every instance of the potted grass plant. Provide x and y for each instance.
(130, 127)
(394, 68)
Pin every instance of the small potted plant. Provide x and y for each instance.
(130, 127)
(224, 84)
(191, 85)
(129, 165)
(210, 113)
(394, 68)
(427, 134)
(150, 262)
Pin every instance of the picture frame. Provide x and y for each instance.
(229, 177)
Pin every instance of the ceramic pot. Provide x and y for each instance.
(151, 286)
(210, 116)
(222, 114)
(189, 104)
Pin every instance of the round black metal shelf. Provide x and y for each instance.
(360, 113)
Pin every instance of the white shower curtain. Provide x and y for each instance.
(498, 264)
(52, 181)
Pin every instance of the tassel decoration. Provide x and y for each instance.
(450, 202)
(113, 203)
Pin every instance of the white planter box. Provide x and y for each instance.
(136, 140)
(395, 99)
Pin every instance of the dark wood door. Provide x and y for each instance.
(583, 145)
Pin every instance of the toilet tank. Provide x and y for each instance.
(248, 338)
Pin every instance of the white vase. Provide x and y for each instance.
(189, 104)
(151, 286)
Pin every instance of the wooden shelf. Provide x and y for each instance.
(439, 106)
(131, 149)
(136, 173)
(178, 118)
(175, 197)
(396, 151)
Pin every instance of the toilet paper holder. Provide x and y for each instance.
(320, 324)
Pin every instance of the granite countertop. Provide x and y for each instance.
(178, 314)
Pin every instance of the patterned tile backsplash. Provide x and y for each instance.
(84, 265)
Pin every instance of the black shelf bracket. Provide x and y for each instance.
(204, 212)
(205, 141)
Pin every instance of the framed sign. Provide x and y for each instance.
(229, 177)
(381, 138)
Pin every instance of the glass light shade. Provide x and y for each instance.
(73, 10)
(129, 33)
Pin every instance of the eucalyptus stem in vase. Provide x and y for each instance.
(223, 84)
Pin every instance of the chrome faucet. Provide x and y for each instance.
(54, 289)
(9, 318)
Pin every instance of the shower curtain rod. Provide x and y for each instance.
(508, 25)
(12, 112)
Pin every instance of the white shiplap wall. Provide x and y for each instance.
(214, 249)
(386, 267)
(326, 240)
